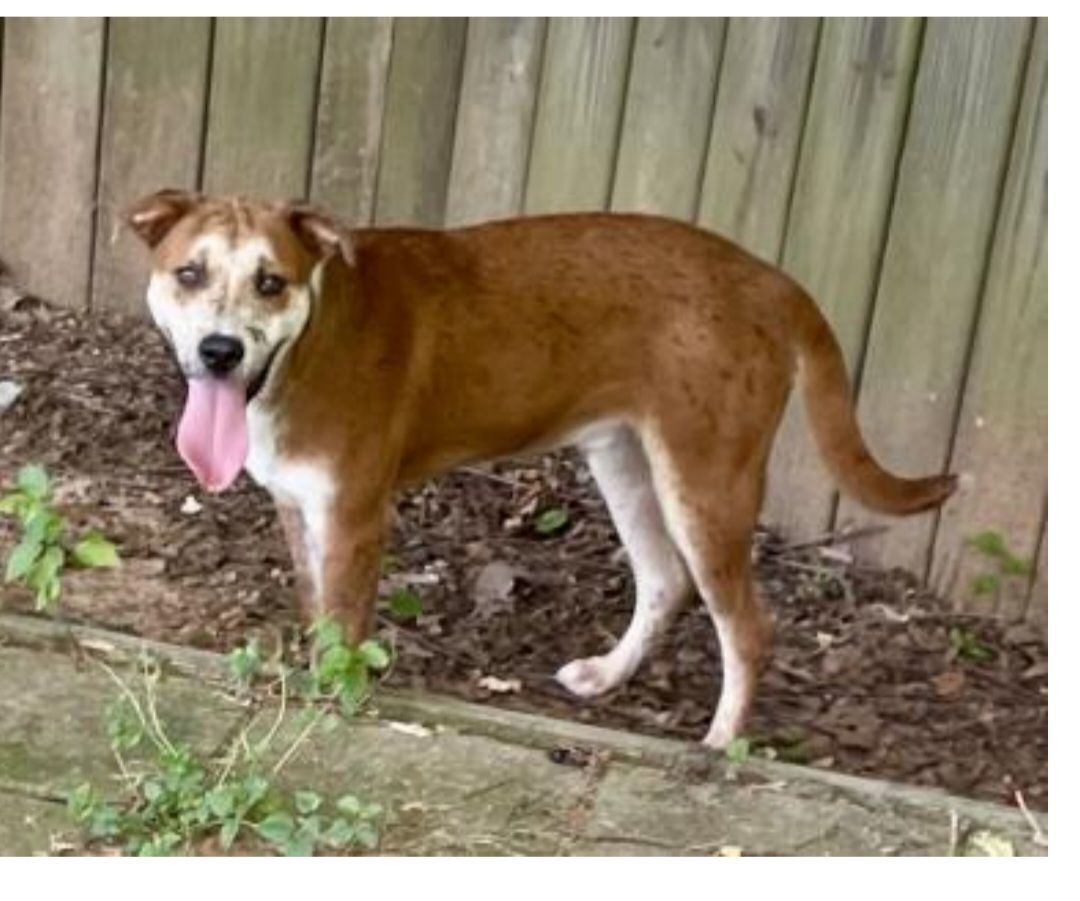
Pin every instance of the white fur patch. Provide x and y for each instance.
(622, 473)
(305, 484)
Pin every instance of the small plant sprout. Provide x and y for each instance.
(738, 749)
(551, 520)
(340, 671)
(44, 550)
(405, 604)
(968, 647)
(1005, 565)
(243, 663)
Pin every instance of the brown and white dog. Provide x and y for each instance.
(338, 365)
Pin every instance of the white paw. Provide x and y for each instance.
(718, 738)
(589, 677)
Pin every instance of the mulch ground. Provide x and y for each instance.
(866, 678)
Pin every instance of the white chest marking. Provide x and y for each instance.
(305, 484)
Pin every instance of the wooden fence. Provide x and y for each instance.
(896, 167)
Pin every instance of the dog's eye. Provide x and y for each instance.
(269, 285)
(190, 276)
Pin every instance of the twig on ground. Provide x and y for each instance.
(1038, 836)
(299, 740)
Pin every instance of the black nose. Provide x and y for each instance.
(221, 354)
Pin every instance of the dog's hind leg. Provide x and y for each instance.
(710, 501)
(662, 583)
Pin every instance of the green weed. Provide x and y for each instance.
(44, 549)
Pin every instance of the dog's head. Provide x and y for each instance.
(231, 288)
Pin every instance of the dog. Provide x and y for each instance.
(338, 365)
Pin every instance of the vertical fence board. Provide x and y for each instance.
(754, 146)
(669, 107)
(578, 114)
(495, 119)
(262, 104)
(1001, 442)
(837, 225)
(418, 124)
(48, 150)
(1038, 609)
(349, 124)
(155, 88)
(949, 182)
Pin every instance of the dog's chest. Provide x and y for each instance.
(304, 483)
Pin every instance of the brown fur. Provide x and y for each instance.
(437, 348)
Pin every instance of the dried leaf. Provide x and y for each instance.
(499, 686)
(949, 683)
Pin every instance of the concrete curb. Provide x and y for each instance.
(527, 729)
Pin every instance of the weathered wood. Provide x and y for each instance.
(418, 124)
(348, 129)
(1001, 441)
(262, 106)
(578, 114)
(51, 91)
(955, 154)
(155, 89)
(495, 119)
(754, 145)
(669, 107)
(838, 222)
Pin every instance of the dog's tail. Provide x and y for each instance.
(827, 393)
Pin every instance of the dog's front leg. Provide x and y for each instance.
(349, 578)
(291, 517)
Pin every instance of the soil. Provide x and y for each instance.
(867, 676)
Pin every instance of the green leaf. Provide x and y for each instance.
(989, 543)
(15, 504)
(81, 801)
(987, 583)
(551, 520)
(738, 751)
(277, 828)
(374, 654)
(244, 662)
(349, 804)
(22, 559)
(340, 833)
(1014, 566)
(153, 791)
(227, 835)
(255, 789)
(300, 846)
(327, 632)
(307, 801)
(95, 550)
(406, 604)
(34, 481)
(122, 725)
(44, 577)
(222, 800)
(365, 835)
(42, 525)
(335, 661)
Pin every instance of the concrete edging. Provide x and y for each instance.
(528, 729)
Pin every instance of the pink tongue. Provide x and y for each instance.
(212, 437)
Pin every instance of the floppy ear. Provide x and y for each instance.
(152, 217)
(321, 233)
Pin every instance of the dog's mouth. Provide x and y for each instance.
(259, 382)
(213, 434)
